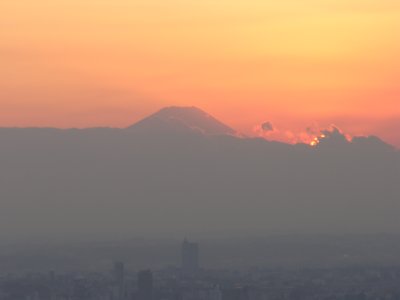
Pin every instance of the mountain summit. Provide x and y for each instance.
(182, 119)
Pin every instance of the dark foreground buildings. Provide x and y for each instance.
(258, 283)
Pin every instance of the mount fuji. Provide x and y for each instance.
(182, 119)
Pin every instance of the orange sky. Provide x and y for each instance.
(81, 63)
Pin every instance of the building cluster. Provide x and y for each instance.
(190, 282)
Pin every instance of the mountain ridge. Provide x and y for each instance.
(123, 182)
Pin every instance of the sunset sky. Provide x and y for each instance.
(294, 63)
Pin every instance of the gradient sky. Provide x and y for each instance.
(295, 63)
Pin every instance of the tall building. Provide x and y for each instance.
(190, 256)
(119, 279)
(119, 272)
(145, 285)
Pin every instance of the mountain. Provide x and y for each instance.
(182, 120)
(148, 180)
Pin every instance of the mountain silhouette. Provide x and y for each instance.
(182, 119)
(147, 179)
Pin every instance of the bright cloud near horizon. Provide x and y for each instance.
(293, 63)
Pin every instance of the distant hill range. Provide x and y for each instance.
(180, 171)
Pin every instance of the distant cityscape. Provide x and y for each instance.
(191, 282)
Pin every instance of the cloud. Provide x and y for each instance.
(267, 127)
(332, 137)
(333, 133)
(266, 130)
(312, 130)
(324, 137)
(312, 135)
